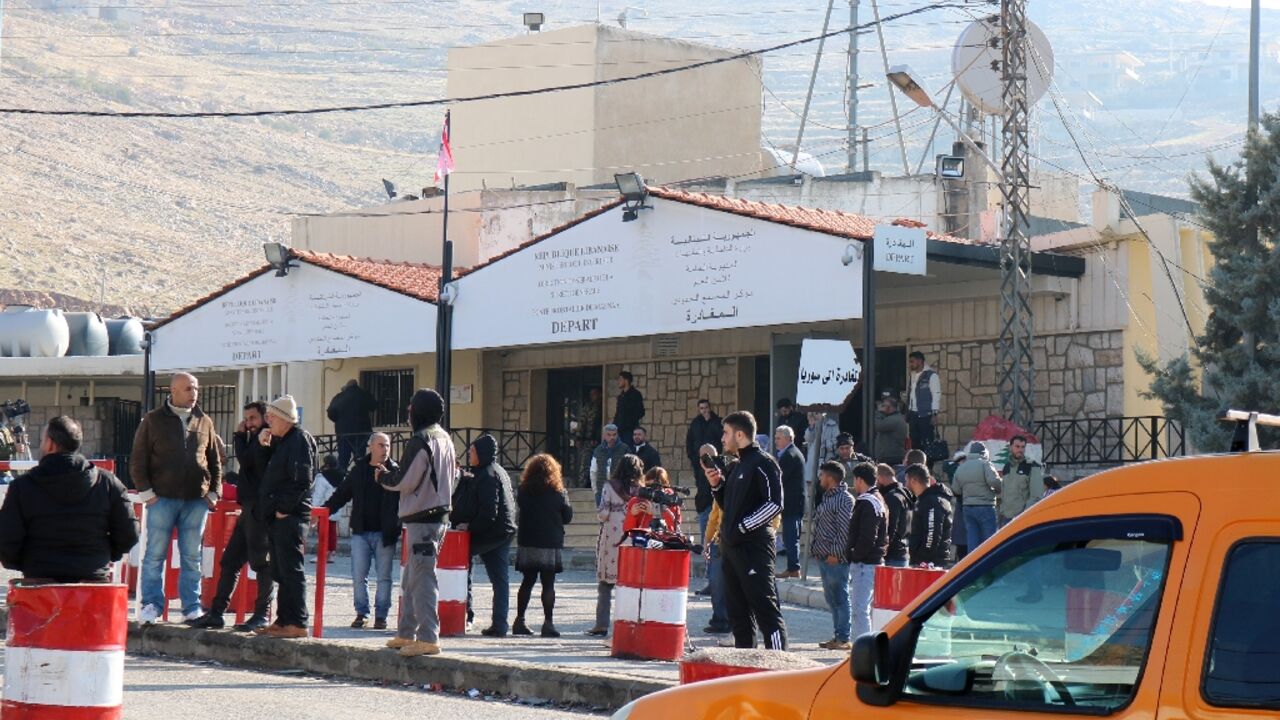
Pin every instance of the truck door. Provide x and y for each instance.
(1069, 616)
(1228, 663)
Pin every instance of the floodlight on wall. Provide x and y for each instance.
(633, 190)
(279, 257)
(950, 167)
(534, 21)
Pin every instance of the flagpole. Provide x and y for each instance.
(444, 311)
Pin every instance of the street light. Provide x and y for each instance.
(633, 190)
(279, 257)
(534, 21)
(902, 78)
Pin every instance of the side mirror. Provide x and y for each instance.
(869, 659)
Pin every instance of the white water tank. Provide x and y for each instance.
(26, 332)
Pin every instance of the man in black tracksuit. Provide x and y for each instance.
(932, 519)
(749, 493)
(249, 542)
(899, 503)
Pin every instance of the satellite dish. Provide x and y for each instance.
(975, 62)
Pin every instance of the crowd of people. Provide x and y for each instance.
(863, 512)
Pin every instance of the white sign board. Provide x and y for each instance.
(311, 314)
(900, 249)
(677, 268)
(829, 371)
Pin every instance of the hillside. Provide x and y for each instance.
(153, 213)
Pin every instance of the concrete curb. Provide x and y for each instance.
(797, 593)
(504, 677)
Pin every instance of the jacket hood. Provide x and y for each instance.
(486, 449)
(426, 408)
(67, 478)
(939, 489)
(977, 451)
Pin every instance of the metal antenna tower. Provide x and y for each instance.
(1016, 381)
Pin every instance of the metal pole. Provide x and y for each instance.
(148, 377)
(444, 335)
(868, 347)
(808, 98)
(928, 146)
(1016, 378)
(866, 150)
(851, 79)
(893, 94)
(1255, 25)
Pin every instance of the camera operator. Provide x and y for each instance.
(641, 512)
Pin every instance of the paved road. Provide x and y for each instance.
(157, 689)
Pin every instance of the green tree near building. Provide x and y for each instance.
(1239, 354)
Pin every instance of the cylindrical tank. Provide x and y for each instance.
(88, 334)
(126, 335)
(34, 333)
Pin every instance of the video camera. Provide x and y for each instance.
(668, 496)
(15, 408)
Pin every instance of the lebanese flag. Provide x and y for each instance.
(444, 163)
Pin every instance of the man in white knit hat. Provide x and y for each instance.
(285, 505)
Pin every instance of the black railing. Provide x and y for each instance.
(1109, 441)
(515, 447)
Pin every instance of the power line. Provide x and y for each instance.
(474, 98)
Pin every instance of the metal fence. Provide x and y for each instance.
(515, 447)
(1109, 441)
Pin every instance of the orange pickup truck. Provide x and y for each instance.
(1150, 591)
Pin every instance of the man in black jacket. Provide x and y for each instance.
(249, 541)
(630, 409)
(868, 540)
(749, 493)
(285, 505)
(791, 463)
(932, 519)
(349, 411)
(483, 505)
(796, 420)
(641, 448)
(65, 521)
(704, 429)
(899, 503)
(375, 527)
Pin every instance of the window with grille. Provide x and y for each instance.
(391, 391)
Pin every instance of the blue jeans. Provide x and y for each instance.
(719, 612)
(162, 517)
(703, 518)
(367, 547)
(864, 585)
(896, 563)
(835, 588)
(497, 567)
(979, 524)
(791, 539)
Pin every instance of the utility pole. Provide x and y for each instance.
(851, 87)
(1016, 379)
(893, 94)
(1255, 50)
(813, 79)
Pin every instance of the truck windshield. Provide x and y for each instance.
(1066, 625)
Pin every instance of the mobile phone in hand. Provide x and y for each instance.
(707, 461)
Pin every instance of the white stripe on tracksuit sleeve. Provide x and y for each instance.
(767, 510)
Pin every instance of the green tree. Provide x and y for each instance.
(1239, 353)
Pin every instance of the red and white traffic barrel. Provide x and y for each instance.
(650, 601)
(451, 576)
(896, 588)
(64, 652)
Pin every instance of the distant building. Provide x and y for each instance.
(1107, 71)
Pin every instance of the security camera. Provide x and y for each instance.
(851, 253)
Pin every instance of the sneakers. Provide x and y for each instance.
(493, 632)
(208, 621)
(380, 624)
(396, 643)
(726, 641)
(835, 644)
(550, 631)
(149, 614)
(192, 616)
(519, 628)
(416, 649)
(286, 632)
(358, 623)
(788, 574)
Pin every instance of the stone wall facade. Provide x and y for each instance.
(1078, 375)
(94, 424)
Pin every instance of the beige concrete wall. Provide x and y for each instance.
(692, 124)
(527, 140)
(409, 231)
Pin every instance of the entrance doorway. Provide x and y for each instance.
(891, 374)
(573, 422)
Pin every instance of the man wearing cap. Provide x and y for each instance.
(425, 480)
(285, 505)
(177, 469)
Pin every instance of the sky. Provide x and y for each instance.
(1266, 4)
